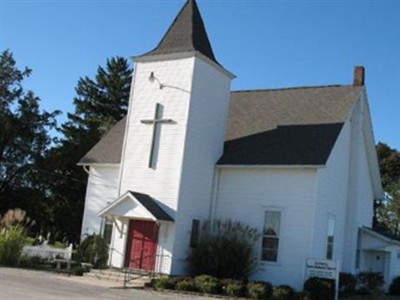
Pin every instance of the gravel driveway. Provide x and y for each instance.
(19, 284)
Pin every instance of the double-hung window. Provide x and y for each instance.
(195, 232)
(271, 235)
(330, 237)
(107, 230)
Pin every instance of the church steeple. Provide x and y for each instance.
(187, 33)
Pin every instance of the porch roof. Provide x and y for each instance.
(386, 241)
(136, 205)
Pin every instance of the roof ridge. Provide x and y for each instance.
(293, 88)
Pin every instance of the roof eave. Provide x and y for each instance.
(268, 166)
(97, 164)
(182, 55)
(380, 236)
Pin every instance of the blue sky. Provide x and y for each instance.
(266, 44)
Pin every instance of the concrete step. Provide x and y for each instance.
(118, 276)
(107, 274)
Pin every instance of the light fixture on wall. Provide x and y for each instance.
(153, 78)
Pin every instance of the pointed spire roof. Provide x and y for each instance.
(187, 33)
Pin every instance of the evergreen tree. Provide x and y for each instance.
(24, 141)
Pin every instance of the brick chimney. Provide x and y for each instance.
(359, 76)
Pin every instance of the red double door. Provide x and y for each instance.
(141, 246)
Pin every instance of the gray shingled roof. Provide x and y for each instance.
(187, 33)
(152, 206)
(108, 150)
(296, 126)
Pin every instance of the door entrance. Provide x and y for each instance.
(141, 246)
(375, 261)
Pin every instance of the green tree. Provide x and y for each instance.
(99, 104)
(24, 140)
(387, 210)
(389, 164)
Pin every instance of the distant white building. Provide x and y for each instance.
(297, 163)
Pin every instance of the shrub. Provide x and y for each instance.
(259, 290)
(94, 250)
(173, 280)
(34, 262)
(305, 295)
(224, 250)
(78, 270)
(187, 285)
(347, 284)
(208, 284)
(363, 291)
(12, 240)
(58, 245)
(162, 283)
(319, 288)
(233, 288)
(394, 288)
(283, 292)
(370, 280)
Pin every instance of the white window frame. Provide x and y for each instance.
(280, 235)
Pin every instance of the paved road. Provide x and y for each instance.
(18, 284)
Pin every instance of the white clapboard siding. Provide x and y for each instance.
(331, 198)
(101, 189)
(360, 194)
(163, 182)
(245, 195)
(203, 147)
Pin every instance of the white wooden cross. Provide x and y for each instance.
(156, 122)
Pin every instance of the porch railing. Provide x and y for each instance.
(162, 265)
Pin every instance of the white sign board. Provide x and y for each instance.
(324, 269)
(321, 268)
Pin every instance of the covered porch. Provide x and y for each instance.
(142, 233)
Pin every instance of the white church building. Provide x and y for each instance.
(299, 164)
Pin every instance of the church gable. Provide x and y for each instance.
(136, 205)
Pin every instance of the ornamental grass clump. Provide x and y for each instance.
(12, 240)
(13, 227)
(225, 249)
